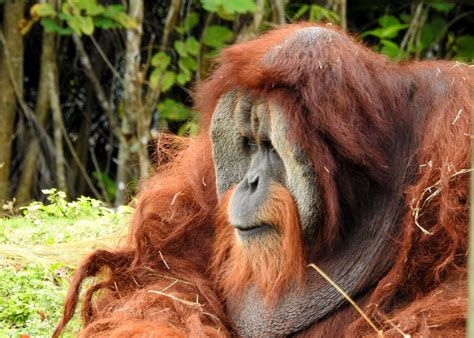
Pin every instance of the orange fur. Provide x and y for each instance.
(339, 116)
(269, 263)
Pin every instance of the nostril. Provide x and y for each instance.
(253, 182)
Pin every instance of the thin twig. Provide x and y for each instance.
(207, 22)
(106, 59)
(414, 25)
(347, 297)
(95, 163)
(173, 12)
(163, 259)
(186, 302)
(99, 90)
(81, 167)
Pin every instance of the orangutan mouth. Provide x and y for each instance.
(247, 232)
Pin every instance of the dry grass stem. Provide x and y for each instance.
(347, 297)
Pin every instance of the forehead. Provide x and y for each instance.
(238, 116)
(252, 117)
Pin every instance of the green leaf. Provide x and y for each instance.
(442, 7)
(74, 23)
(317, 13)
(187, 63)
(301, 11)
(431, 31)
(112, 10)
(117, 13)
(190, 128)
(389, 48)
(93, 9)
(211, 5)
(192, 46)
(87, 24)
(239, 6)
(465, 46)
(125, 21)
(212, 54)
(168, 81)
(52, 26)
(225, 15)
(155, 77)
(180, 48)
(42, 10)
(105, 23)
(171, 110)
(191, 21)
(217, 36)
(160, 60)
(69, 9)
(89, 6)
(388, 20)
(183, 78)
(389, 32)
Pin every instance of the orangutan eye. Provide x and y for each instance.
(249, 143)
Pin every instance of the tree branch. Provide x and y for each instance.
(99, 90)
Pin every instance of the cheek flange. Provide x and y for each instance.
(300, 179)
(230, 159)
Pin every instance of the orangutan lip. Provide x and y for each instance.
(250, 231)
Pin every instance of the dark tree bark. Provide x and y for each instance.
(11, 76)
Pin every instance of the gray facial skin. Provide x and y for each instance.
(251, 149)
(251, 193)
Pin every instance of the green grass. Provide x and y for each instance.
(38, 254)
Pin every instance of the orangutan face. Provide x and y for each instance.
(252, 153)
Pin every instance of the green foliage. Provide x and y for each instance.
(173, 111)
(189, 128)
(160, 77)
(390, 28)
(217, 36)
(170, 110)
(428, 34)
(32, 299)
(431, 32)
(316, 13)
(442, 7)
(59, 206)
(78, 16)
(191, 21)
(227, 8)
(465, 47)
(38, 253)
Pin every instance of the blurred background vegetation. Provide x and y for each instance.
(87, 86)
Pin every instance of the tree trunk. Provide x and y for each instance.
(60, 160)
(11, 69)
(133, 101)
(342, 10)
(278, 10)
(29, 166)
